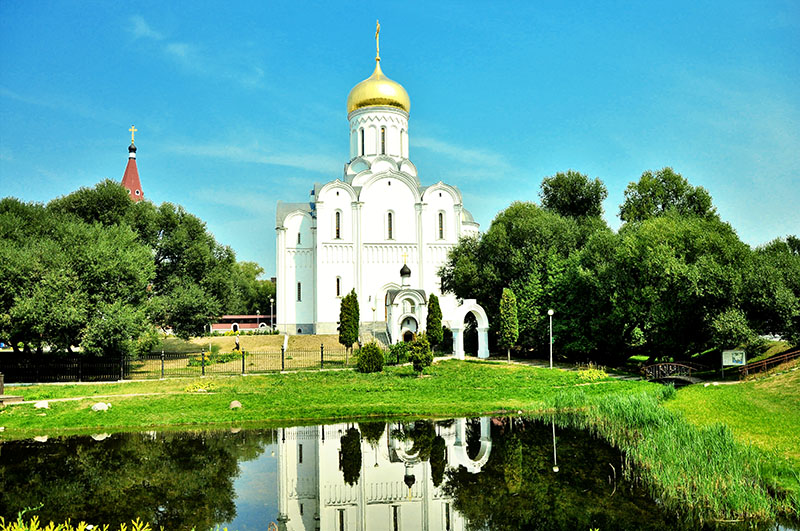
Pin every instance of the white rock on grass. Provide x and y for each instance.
(100, 437)
(101, 406)
(42, 404)
(235, 405)
(40, 438)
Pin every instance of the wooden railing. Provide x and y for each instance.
(759, 366)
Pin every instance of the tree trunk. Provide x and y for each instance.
(508, 352)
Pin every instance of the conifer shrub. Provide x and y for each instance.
(370, 358)
(421, 355)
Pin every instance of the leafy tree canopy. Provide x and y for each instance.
(573, 194)
(656, 193)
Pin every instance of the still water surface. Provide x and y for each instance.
(458, 474)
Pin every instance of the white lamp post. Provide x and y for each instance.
(550, 313)
(271, 314)
(555, 457)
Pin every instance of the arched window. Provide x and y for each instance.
(441, 225)
(338, 286)
(337, 231)
(408, 306)
(299, 292)
(383, 141)
(362, 141)
(390, 226)
(299, 238)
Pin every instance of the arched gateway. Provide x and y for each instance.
(470, 305)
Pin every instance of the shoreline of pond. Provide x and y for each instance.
(627, 414)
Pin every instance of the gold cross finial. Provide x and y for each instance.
(132, 130)
(405, 256)
(377, 40)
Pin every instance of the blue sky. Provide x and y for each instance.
(241, 104)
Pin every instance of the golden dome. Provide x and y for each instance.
(378, 90)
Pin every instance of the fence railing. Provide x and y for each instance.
(759, 366)
(56, 368)
(61, 368)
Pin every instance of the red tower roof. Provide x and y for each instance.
(131, 178)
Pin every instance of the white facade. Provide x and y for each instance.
(394, 485)
(358, 231)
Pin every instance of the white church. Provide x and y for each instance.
(377, 230)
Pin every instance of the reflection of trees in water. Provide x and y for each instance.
(517, 488)
(372, 431)
(350, 456)
(174, 480)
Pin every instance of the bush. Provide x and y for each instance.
(421, 355)
(370, 358)
(398, 353)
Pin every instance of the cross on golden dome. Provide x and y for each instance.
(377, 40)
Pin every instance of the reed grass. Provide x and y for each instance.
(700, 473)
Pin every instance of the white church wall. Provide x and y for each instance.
(297, 286)
(371, 120)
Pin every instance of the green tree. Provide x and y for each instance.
(573, 194)
(433, 324)
(421, 355)
(526, 248)
(349, 320)
(657, 193)
(107, 203)
(508, 330)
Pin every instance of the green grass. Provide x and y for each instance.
(764, 413)
(691, 461)
(448, 389)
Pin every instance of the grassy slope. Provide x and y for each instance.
(252, 343)
(763, 412)
(449, 389)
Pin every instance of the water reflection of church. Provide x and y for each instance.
(394, 490)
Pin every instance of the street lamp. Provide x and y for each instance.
(258, 319)
(271, 315)
(550, 313)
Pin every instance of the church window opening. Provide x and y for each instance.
(138, 192)
(338, 286)
(300, 452)
(396, 517)
(299, 239)
(341, 520)
(402, 133)
(362, 142)
(386, 307)
(299, 292)
(408, 306)
(383, 141)
(338, 225)
(389, 226)
(441, 225)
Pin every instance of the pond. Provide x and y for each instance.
(476, 473)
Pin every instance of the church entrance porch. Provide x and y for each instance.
(408, 329)
(470, 306)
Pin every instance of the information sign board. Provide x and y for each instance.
(733, 357)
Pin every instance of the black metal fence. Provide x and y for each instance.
(58, 368)
(61, 368)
